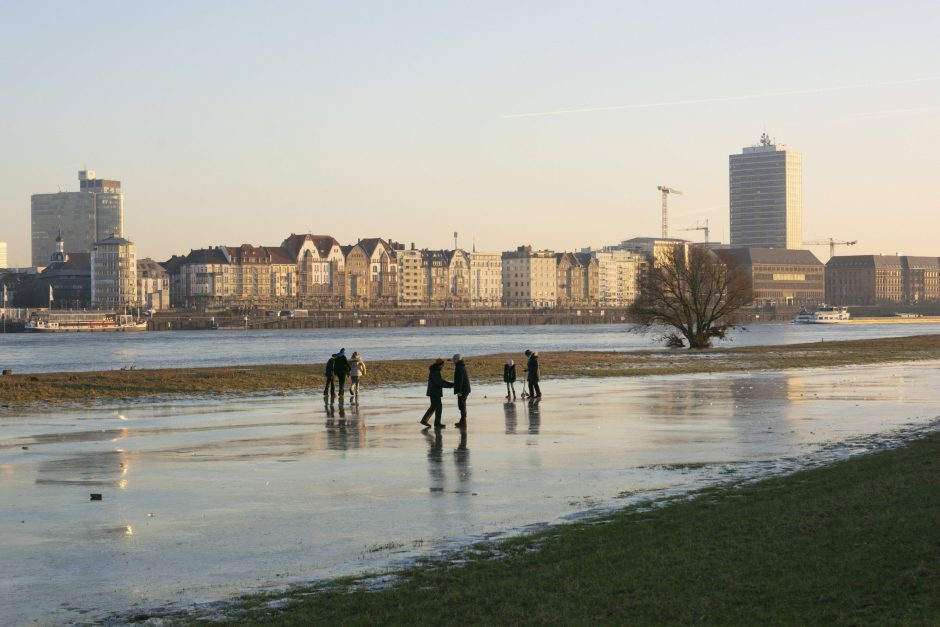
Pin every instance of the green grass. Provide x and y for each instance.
(852, 543)
(19, 390)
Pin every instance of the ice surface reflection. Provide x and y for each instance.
(203, 500)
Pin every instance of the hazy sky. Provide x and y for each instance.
(231, 122)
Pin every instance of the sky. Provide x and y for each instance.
(531, 122)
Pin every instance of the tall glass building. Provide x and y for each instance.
(766, 184)
(92, 214)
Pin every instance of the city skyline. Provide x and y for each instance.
(532, 123)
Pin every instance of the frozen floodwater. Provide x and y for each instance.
(204, 500)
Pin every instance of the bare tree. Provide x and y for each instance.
(696, 293)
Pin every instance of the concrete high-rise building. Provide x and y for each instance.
(766, 184)
(90, 215)
(3, 255)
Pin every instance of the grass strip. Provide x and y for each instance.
(854, 543)
(18, 390)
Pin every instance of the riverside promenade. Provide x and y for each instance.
(201, 501)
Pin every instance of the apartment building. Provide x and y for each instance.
(578, 279)
(486, 279)
(153, 285)
(371, 274)
(320, 269)
(530, 278)
(114, 274)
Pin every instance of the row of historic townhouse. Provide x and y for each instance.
(315, 271)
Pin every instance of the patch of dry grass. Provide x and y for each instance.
(20, 390)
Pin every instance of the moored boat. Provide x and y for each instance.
(83, 322)
(825, 314)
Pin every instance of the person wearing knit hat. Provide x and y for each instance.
(509, 378)
(461, 389)
(435, 392)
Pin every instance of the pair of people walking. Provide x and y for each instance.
(435, 391)
(338, 366)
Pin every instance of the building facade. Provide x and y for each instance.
(578, 279)
(114, 274)
(371, 276)
(67, 279)
(153, 285)
(486, 279)
(530, 278)
(920, 282)
(766, 196)
(3, 255)
(781, 277)
(620, 273)
(82, 218)
(261, 275)
(864, 280)
(320, 266)
(204, 280)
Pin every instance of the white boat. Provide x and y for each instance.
(826, 314)
(83, 322)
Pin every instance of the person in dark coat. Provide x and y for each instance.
(436, 385)
(330, 387)
(532, 374)
(461, 389)
(341, 369)
(509, 377)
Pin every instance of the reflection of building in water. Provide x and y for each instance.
(510, 410)
(534, 415)
(770, 402)
(95, 469)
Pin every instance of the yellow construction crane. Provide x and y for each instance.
(666, 191)
(832, 244)
(699, 227)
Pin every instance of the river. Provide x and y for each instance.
(23, 352)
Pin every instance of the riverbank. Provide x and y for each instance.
(847, 544)
(22, 390)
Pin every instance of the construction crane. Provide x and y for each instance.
(666, 191)
(832, 244)
(699, 227)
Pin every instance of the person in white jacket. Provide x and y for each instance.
(357, 369)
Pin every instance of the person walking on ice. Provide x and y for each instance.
(533, 374)
(357, 370)
(330, 387)
(341, 369)
(436, 385)
(461, 389)
(509, 377)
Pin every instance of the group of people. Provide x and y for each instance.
(338, 367)
(461, 387)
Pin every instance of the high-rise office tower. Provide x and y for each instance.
(766, 184)
(82, 218)
(3, 255)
